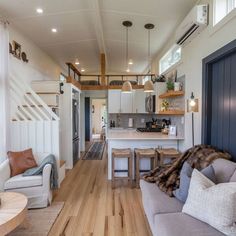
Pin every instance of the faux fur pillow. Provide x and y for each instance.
(21, 161)
(213, 204)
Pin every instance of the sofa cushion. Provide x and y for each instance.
(185, 176)
(224, 170)
(21, 161)
(157, 202)
(20, 181)
(213, 204)
(180, 224)
(233, 177)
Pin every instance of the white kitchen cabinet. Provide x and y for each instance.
(126, 103)
(139, 97)
(114, 101)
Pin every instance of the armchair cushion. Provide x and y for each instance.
(20, 181)
(21, 161)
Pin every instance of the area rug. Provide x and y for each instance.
(39, 221)
(95, 151)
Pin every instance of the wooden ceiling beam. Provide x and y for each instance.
(103, 68)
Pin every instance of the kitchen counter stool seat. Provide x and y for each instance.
(167, 153)
(124, 154)
(147, 153)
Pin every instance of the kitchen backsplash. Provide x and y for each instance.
(139, 120)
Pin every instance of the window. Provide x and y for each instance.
(222, 8)
(170, 58)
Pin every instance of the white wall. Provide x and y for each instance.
(210, 40)
(40, 65)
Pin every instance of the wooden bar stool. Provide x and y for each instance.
(148, 153)
(167, 153)
(124, 154)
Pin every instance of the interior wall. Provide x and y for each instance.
(97, 115)
(210, 40)
(40, 65)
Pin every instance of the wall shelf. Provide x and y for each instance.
(172, 94)
(172, 112)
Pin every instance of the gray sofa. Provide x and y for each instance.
(165, 215)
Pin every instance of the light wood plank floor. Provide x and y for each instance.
(93, 208)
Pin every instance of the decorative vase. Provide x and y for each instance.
(177, 86)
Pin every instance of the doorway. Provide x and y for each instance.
(219, 94)
(99, 119)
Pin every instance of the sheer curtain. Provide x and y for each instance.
(4, 90)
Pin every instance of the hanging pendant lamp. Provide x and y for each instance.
(127, 87)
(149, 86)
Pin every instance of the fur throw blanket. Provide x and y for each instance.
(167, 178)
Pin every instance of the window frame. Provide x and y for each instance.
(230, 7)
(172, 49)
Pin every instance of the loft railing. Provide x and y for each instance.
(114, 79)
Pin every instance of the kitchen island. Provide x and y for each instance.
(125, 138)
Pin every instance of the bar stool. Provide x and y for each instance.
(148, 153)
(124, 154)
(167, 153)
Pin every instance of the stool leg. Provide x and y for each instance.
(155, 162)
(137, 170)
(161, 159)
(113, 173)
(130, 171)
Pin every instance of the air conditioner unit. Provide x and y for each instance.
(193, 24)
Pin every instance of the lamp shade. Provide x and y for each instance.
(148, 87)
(126, 87)
(192, 105)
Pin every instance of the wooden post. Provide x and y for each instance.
(103, 69)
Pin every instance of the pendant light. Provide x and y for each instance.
(127, 87)
(148, 86)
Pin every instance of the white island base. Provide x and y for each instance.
(133, 139)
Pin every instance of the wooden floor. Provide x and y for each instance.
(93, 208)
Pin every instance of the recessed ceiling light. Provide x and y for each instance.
(131, 62)
(54, 30)
(76, 62)
(39, 10)
(82, 70)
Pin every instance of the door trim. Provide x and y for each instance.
(207, 85)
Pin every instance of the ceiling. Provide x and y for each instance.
(87, 28)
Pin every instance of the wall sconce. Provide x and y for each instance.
(192, 106)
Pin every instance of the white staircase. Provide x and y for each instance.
(34, 123)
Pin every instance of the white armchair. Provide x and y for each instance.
(36, 188)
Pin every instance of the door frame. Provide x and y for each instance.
(207, 63)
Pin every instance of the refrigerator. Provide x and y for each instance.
(75, 130)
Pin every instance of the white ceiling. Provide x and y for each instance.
(87, 28)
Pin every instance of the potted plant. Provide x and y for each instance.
(170, 85)
(164, 105)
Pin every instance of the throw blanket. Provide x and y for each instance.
(167, 178)
(50, 159)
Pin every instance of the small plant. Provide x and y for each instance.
(170, 85)
(165, 104)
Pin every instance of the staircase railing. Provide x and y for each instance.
(28, 104)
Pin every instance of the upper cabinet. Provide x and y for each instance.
(119, 102)
(139, 97)
(114, 99)
(126, 104)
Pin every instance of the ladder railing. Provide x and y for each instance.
(28, 104)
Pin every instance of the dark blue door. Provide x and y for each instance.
(222, 104)
(87, 119)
